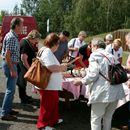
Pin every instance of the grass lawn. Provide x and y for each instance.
(125, 56)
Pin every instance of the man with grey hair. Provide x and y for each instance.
(108, 39)
(11, 55)
(103, 96)
(75, 43)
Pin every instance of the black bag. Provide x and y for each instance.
(116, 73)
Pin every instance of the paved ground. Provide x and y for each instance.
(76, 118)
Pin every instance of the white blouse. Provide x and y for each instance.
(48, 58)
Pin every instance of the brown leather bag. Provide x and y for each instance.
(38, 74)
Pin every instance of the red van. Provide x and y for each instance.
(28, 25)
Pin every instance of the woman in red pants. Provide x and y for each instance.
(49, 99)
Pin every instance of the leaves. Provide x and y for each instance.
(95, 16)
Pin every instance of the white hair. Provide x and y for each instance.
(82, 33)
(109, 37)
(98, 42)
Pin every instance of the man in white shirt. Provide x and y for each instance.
(108, 39)
(75, 43)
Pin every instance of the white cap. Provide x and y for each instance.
(109, 37)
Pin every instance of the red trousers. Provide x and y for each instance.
(49, 108)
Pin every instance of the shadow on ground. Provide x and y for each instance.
(4, 126)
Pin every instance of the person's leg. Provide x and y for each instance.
(22, 83)
(49, 112)
(110, 109)
(97, 112)
(55, 110)
(129, 117)
(10, 90)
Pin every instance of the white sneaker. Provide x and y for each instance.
(60, 121)
(49, 128)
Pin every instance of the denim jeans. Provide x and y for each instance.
(10, 89)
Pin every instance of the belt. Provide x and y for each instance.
(13, 62)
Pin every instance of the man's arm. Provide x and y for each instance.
(24, 60)
(9, 63)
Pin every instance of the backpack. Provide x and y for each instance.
(116, 73)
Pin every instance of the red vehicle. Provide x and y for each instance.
(28, 25)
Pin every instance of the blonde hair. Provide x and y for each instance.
(34, 34)
(118, 42)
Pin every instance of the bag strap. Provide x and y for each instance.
(39, 54)
(73, 47)
(109, 61)
(105, 57)
(27, 41)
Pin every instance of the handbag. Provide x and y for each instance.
(38, 74)
(116, 73)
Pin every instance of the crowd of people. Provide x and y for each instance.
(17, 57)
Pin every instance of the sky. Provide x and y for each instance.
(8, 5)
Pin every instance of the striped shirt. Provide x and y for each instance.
(11, 43)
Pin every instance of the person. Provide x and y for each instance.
(27, 53)
(75, 43)
(0, 40)
(103, 97)
(116, 49)
(49, 110)
(127, 38)
(108, 39)
(84, 54)
(10, 55)
(62, 50)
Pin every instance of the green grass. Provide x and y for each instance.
(124, 58)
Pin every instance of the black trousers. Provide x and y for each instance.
(21, 82)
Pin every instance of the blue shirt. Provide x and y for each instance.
(11, 43)
(61, 51)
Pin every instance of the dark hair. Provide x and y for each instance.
(65, 33)
(15, 21)
(51, 40)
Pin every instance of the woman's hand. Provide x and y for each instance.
(63, 67)
(77, 82)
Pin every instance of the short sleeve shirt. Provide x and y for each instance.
(76, 43)
(61, 51)
(48, 59)
(11, 43)
(27, 48)
(117, 54)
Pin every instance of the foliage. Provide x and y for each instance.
(93, 16)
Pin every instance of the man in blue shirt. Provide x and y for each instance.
(10, 55)
(62, 50)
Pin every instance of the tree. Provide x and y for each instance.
(16, 10)
(29, 6)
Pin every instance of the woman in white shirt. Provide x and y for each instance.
(115, 49)
(49, 99)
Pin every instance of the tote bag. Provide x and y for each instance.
(38, 74)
